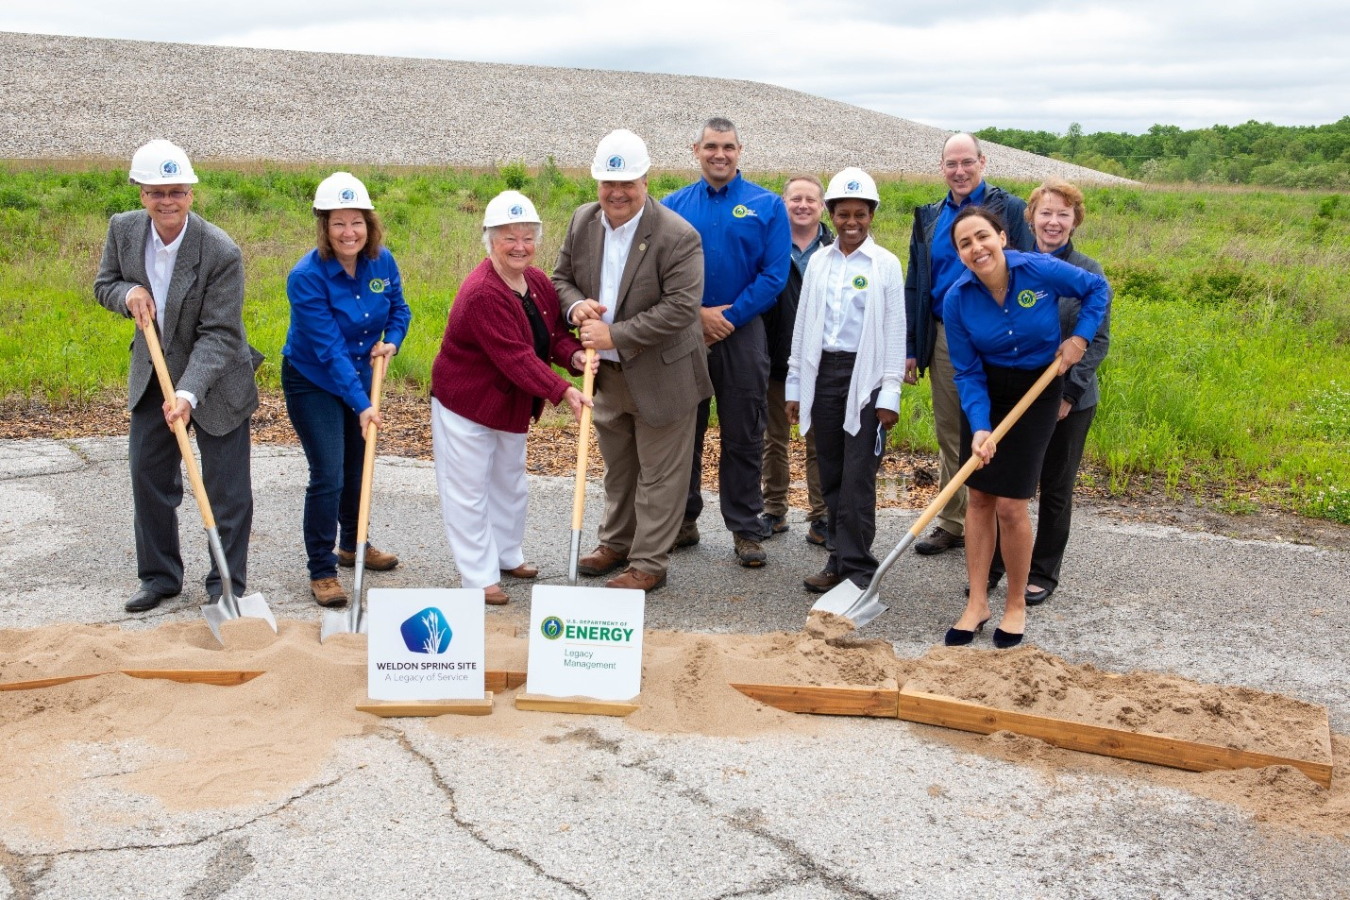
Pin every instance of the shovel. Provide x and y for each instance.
(352, 620)
(583, 454)
(862, 606)
(253, 606)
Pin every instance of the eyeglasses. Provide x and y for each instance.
(952, 165)
(166, 195)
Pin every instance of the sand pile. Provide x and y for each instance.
(196, 746)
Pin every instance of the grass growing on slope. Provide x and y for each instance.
(1230, 357)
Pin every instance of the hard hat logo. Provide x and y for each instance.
(614, 163)
(347, 196)
(168, 168)
(517, 211)
(853, 187)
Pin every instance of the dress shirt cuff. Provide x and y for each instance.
(889, 400)
(792, 392)
(190, 397)
(570, 323)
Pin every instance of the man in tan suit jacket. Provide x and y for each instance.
(630, 275)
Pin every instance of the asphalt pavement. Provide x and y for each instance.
(861, 809)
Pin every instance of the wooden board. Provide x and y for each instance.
(827, 701)
(578, 705)
(47, 682)
(949, 712)
(220, 677)
(499, 681)
(429, 708)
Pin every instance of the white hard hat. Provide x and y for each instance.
(621, 156)
(342, 190)
(510, 208)
(853, 184)
(161, 162)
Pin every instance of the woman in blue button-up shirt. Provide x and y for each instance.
(1003, 329)
(347, 307)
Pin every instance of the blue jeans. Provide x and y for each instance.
(331, 435)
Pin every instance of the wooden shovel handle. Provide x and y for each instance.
(368, 467)
(583, 441)
(180, 430)
(974, 462)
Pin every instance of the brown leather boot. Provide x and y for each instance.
(636, 579)
(495, 596)
(523, 571)
(601, 561)
(328, 592)
(376, 560)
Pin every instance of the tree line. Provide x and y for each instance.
(1255, 153)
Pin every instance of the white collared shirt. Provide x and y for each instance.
(618, 243)
(160, 258)
(847, 287)
(159, 263)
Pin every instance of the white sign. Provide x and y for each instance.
(586, 642)
(425, 644)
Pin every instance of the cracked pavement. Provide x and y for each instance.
(589, 807)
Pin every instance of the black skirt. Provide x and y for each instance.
(1015, 469)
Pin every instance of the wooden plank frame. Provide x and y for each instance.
(500, 681)
(949, 712)
(826, 701)
(576, 705)
(426, 708)
(218, 677)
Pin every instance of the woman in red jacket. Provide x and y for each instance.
(488, 382)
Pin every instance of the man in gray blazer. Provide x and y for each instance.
(169, 269)
(630, 275)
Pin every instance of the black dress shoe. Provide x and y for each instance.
(1004, 640)
(146, 599)
(1036, 598)
(959, 637)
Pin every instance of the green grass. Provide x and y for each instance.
(1230, 359)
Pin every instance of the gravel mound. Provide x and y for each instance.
(63, 97)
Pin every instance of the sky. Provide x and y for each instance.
(1111, 66)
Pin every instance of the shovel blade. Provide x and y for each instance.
(851, 602)
(339, 621)
(217, 614)
(254, 606)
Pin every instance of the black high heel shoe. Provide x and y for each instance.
(1005, 640)
(958, 637)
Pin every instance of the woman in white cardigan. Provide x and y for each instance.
(848, 359)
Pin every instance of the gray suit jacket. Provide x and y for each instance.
(203, 333)
(656, 321)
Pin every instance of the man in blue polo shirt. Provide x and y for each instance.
(933, 268)
(747, 246)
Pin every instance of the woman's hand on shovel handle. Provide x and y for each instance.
(577, 400)
(141, 305)
(370, 415)
(579, 362)
(383, 349)
(982, 445)
(1071, 351)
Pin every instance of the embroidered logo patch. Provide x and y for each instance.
(860, 282)
(740, 211)
(1026, 299)
(377, 285)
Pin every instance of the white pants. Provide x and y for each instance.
(480, 475)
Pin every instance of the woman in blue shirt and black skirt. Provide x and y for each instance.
(1003, 330)
(347, 308)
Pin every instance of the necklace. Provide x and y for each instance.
(1002, 291)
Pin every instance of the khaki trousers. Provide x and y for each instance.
(646, 474)
(777, 466)
(947, 423)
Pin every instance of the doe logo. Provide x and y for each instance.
(740, 211)
(551, 628)
(860, 282)
(1026, 299)
(377, 285)
(426, 632)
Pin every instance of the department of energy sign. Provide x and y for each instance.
(586, 642)
(425, 644)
